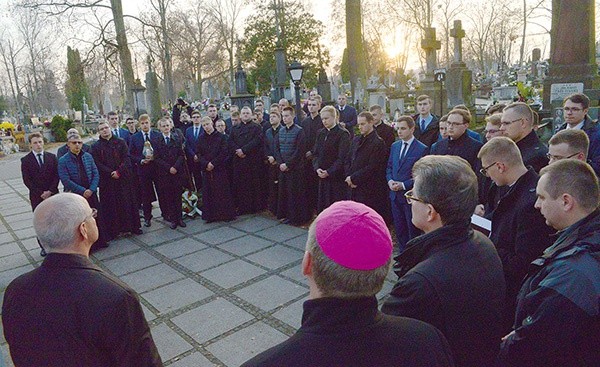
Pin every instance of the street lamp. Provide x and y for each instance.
(296, 69)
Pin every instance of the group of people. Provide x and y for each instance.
(521, 296)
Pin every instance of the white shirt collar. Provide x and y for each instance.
(579, 126)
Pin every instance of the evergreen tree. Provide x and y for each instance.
(76, 87)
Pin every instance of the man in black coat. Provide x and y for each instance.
(365, 168)
(68, 312)
(517, 124)
(426, 124)
(169, 159)
(348, 117)
(311, 126)
(39, 170)
(451, 276)
(385, 131)
(458, 142)
(349, 244)
(519, 231)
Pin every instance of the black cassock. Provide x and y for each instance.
(330, 152)
(118, 210)
(246, 172)
(217, 202)
(366, 166)
(311, 127)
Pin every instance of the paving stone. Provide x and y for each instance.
(219, 235)
(25, 233)
(3, 228)
(149, 315)
(168, 342)
(204, 259)
(10, 219)
(6, 356)
(30, 243)
(292, 314)
(295, 273)
(245, 245)
(193, 360)
(160, 236)
(247, 342)
(275, 257)
(6, 238)
(9, 249)
(255, 224)
(271, 292)
(7, 276)
(180, 248)
(210, 320)
(116, 247)
(21, 225)
(298, 242)
(233, 273)
(281, 233)
(130, 263)
(176, 295)
(13, 261)
(16, 210)
(198, 225)
(152, 277)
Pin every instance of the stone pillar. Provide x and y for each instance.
(459, 78)
(324, 87)
(572, 50)
(429, 86)
(152, 94)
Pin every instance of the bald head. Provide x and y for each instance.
(63, 223)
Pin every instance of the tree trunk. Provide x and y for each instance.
(167, 46)
(124, 54)
(522, 51)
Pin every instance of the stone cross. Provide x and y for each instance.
(458, 33)
(430, 45)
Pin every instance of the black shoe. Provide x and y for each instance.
(285, 221)
(43, 252)
(181, 223)
(137, 231)
(173, 225)
(147, 222)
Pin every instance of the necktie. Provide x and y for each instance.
(147, 138)
(116, 132)
(167, 139)
(196, 132)
(422, 124)
(39, 157)
(404, 149)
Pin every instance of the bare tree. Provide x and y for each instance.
(447, 11)
(10, 53)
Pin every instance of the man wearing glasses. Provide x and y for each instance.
(576, 107)
(450, 277)
(519, 231)
(68, 312)
(568, 144)
(517, 124)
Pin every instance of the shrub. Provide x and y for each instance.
(59, 127)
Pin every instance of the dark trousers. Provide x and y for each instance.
(169, 192)
(405, 230)
(147, 195)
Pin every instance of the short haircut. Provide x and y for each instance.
(375, 107)
(573, 177)
(129, 119)
(367, 115)
(522, 110)
(211, 106)
(289, 109)
(495, 109)
(145, 117)
(461, 107)
(205, 119)
(275, 113)
(466, 114)
(330, 110)
(196, 112)
(103, 123)
(579, 98)
(454, 202)
(163, 119)
(444, 118)
(259, 101)
(410, 122)
(57, 219)
(577, 140)
(246, 108)
(423, 97)
(112, 113)
(235, 114)
(334, 280)
(220, 122)
(494, 119)
(502, 149)
(34, 135)
(317, 98)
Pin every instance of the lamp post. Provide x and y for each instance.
(296, 69)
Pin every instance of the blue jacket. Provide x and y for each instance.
(557, 321)
(136, 148)
(124, 134)
(68, 172)
(190, 140)
(402, 171)
(593, 132)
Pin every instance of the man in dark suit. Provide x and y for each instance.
(519, 231)
(119, 132)
(40, 173)
(348, 117)
(191, 139)
(169, 159)
(144, 165)
(427, 124)
(385, 131)
(68, 312)
(403, 156)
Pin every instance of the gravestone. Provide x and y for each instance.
(241, 97)
(572, 49)
(429, 86)
(324, 87)
(152, 93)
(459, 78)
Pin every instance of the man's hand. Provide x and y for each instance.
(240, 153)
(342, 124)
(322, 173)
(210, 166)
(271, 159)
(87, 193)
(115, 175)
(283, 167)
(309, 155)
(480, 210)
(196, 159)
(46, 194)
(350, 183)
(173, 170)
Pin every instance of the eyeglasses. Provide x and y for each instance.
(572, 109)
(455, 124)
(559, 157)
(410, 198)
(506, 123)
(483, 171)
(491, 131)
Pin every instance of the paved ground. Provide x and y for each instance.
(214, 294)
